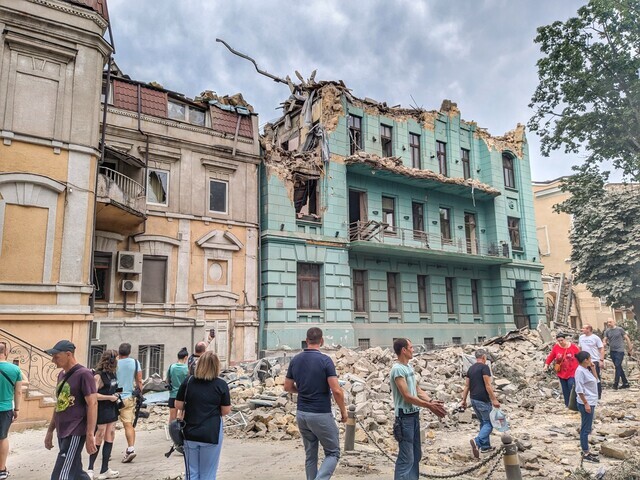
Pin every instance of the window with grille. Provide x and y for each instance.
(308, 286)
(151, 358)
(386, 140)
(392, 292)
(414, 144)
(429, 343)
(456, 340)
(423, 294)
(441, 152)
(359, 291)
(95, 353)
(451, 306)
(507, 170)
(466, 162)
(364, 343)
(355, 133)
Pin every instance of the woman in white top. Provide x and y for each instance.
(586, 385)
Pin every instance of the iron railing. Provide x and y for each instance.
(37, 368)
(129, 187)
(380, 232)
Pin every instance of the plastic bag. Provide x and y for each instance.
(498, 420)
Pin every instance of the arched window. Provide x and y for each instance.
(508, 171)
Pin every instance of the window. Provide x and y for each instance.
(95, 353)
(507, 170)
(355, 133)
(445, 224)
(482, 339)
(389, 213)
(513, 225)
(308, 286)
(385, 141)
(185, 113)
(359, 291)
(158, 187)
(392, 292)
(305, 197)
(456, 340)
(414, 144)
(102, 275)
(423, 294)
(151, 358)
(448, 283)
(475, 303)
(364, 343)
(417, 209)
(466, 163)
(154, 279)
(441, 152)
(429, 343)
(218, 196)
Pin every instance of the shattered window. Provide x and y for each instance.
(158, 187)
(196, 116)
(414, 144)
(385, 140)
(218, 196)
(441, 151)
(359, 290)
(389, 213)
(392, 291)
(305, 197)
(422, 294)
(466, 163)
(445, 224)
(308, 286)
(514, 232)
(176, 111)
(507, 170)
(355, 133)
(448, 283)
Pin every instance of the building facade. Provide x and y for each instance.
(380, 222)
(176, 236)
(52, 56)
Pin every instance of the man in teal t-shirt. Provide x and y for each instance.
(10, 389)
(176, 374)
(408, 397)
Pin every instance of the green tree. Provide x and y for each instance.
(589, 91)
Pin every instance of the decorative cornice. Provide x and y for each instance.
(67, 8)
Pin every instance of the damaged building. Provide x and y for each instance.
(379, 222)
(176, 236)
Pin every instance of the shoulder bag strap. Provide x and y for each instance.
(7, 377)
(66, 378)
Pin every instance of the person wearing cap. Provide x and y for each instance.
(176, 374)
(10, 398)
(75, 415)
(563, 357)
(483, 398)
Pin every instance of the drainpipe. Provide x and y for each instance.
(259, 257)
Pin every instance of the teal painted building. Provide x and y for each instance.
(381, 222)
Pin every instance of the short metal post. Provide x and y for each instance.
(511, 460)
(350, 430)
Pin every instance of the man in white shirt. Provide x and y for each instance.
(591, 343)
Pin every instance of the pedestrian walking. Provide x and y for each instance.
(587, 399)
(108, 399)
(10, 398)
(129, 375)
(408, 398)
(615, 337)
(563, 357)
(312, 375)
(75, 415)
(590, 342)
(483, 398)
(176, 374)
(202, 400)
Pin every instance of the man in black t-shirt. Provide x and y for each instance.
(312, 375)
(482, 399)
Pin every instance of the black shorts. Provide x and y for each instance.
(172, 403)
(6, 418)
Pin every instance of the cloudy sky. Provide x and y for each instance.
(478, 53)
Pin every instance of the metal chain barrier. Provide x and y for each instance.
(497, 455)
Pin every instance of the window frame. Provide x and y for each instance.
(146, 354)
(448, 237)
(360, 302)
(386, 141)
(312, 282)
(95, 353)
(475, 296)
(393, 292)
(449, 286)
(154, 258)
(391, 228)
(465, 158)
(309, 216)
(508, 171)
(441, 155)
(354, 133)
(167, 173)
(364, 343)
(513, 226)
(414, 148)
(226, 196)
(423, 293)
(107, 267)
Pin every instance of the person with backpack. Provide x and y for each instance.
(176, 374)
(10, 398)
(129, 375)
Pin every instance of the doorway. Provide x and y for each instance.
(520, 316)
(357, 211)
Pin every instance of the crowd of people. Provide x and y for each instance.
(90, 402)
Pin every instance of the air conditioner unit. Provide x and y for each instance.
(129, 262)
(130, 286)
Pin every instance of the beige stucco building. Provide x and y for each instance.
(176, 237)
(555, 253)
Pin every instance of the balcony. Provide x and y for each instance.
(380, 238)
(121, 201)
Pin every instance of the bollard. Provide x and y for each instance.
(350, 429)
(511, 460)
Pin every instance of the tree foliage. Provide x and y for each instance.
(589, 91)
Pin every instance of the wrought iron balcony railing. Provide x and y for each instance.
(119, 187)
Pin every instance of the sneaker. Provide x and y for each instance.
(626, 385)
(590, 457)
(474, 448)
(487, 450)
(4, 474)
(615, 387)
(90, 473)
(109, 474)
(129, 456)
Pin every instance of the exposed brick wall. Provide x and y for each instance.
(224, 121)
(125, 95)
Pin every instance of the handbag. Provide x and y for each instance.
(558, 365)
(573, 404)
(176, 427)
